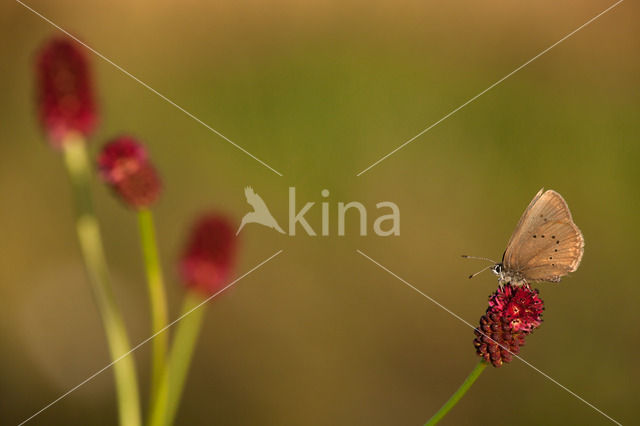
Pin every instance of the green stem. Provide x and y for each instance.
(78, 166)
(458, 394)
(158, 301)
(182, 348)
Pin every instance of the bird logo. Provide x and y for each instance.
(260, 213)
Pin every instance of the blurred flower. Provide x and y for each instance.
(520, 305)
(65, 93)
(496, 341)
(209, 255)
(124, 165)
(513, 313)
(121, 157)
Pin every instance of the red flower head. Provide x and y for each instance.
(124, 165)
(120, 158)
(520, 305)
(513, 313)
(209, 255)
(496, 341)
(65, 93)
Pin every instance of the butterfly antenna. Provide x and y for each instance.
(480, 271)
(479, 258)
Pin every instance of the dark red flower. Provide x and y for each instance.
(209, 255)
(65, 93)
(496, 342)
(120, 158)
(124, 165)
(140, 189)
(520, 305)
(513, 313)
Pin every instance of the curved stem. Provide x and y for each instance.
(453, 400)
(88, 230)
(157, 300)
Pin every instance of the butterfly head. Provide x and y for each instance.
(498, 270)
(506, 276)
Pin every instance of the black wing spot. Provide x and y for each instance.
(550, 257)
(542, 236)
(553, 264)
(555, 250)
(553, 236)
(557, 241)
(534, 235)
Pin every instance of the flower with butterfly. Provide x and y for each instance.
(545, 246)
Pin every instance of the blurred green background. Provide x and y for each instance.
(319, 90)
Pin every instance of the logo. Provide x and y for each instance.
(260, 213)
(384, 225)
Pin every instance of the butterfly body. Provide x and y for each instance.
(505, 277)
(545, 246)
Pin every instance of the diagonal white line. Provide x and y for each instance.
(490, 87)
(469, 324)
(127, 73)
(180, 318)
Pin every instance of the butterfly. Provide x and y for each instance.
(545, 246)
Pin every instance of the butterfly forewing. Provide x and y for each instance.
(546, 244)
(524, 216)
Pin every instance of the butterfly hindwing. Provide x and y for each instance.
(560, 255)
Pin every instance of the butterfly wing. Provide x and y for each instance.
(546, 245)
(524, 216)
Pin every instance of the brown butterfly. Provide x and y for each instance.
(545, 246)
